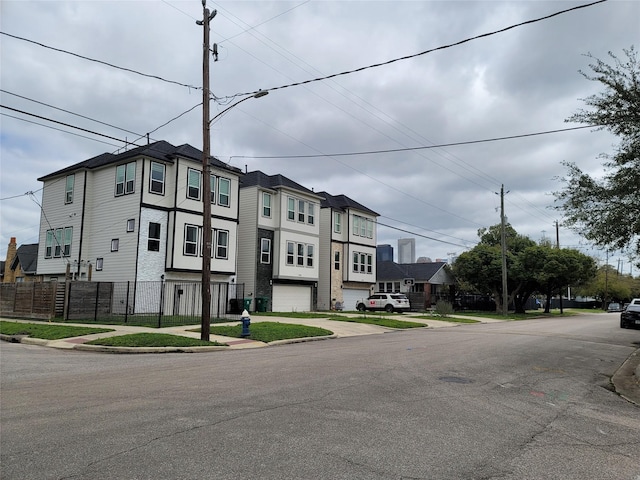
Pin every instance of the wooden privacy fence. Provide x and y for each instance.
(29, 299)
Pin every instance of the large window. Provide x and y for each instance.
(68, 237)
(58, 242)
(301, 210)
(224, 191)
(193, 184)
(191, 240)
(265, 250)
(48, 246)
(156, 180)
(125, 178)
(300, 254)
(68, 190)
(153, 243)
(266, 204)
(362, 263)
(222, 244)
(362, 227)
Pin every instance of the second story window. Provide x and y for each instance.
(156, 180)
(153, 244)
(266, 204)
(291, 208)
(337, 222)
(336, 260)
(265, 250)
(224, 191)
(193, 184)
(125, 178)
(222, 244)
(68, 190)
(191, 240)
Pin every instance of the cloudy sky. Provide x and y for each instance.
(522, 81)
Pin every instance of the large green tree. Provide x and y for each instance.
(607, 210)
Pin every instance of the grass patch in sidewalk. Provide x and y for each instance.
(271, 331)
(153, 340)
(46, 331)
(380, 321)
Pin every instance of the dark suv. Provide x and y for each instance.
(630, 316)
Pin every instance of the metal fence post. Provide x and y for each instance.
(161, 309)
(126, 305)
(95, 313)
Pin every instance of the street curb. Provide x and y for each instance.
(626, 379)
(301, 340)
(127, 350)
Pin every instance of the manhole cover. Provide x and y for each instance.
(455, 379)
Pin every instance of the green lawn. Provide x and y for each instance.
(447, 319)
(152, 340)
(47, 331)
(378, 320)
(271, 331)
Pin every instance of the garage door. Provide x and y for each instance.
(351, 296)
(291, 298)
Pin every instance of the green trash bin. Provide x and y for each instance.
(247, 304)
(261, 304)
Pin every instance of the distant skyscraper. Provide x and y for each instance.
(384, 253)
(407, 250)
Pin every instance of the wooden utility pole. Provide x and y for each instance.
(205, 323)
(505, 295)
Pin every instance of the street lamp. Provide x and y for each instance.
(205, 321)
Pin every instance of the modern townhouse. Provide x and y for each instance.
(137, 216)
(347, 252)
(278, 243)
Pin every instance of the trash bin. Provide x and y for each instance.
(247, 304)
(261, 304)
(234, 306)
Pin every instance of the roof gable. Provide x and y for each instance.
(27, 257)
(420, 272)
(273, 182)
(342, 202)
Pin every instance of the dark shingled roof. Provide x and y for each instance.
(389, 270)
(258, 178)
(160, 150)
(27, 256)
(342, 202)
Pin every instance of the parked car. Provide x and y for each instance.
(390, 302)
(614, 307)
(630, 317)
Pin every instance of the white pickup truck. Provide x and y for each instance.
(389, 302)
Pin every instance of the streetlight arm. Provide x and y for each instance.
(261, 93)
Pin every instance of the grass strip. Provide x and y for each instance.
(47, 331)
(380, 321)
(153, 340)
(271, 331)
(447, 319)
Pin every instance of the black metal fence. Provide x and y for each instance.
(158, 304)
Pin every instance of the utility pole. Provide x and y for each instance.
(205, 322)
(505, 295)
(558, 247)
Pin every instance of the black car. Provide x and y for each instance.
(630, 317)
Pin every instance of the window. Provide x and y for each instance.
(309, 255)
(48, 246)
(156, 181)
(115, 244)
(336, 260)
(131, 225)
(213, 180)
(362, 227)
(68, 237)
(224, 189)
(266, 204)
(310, 214)
(337, 222)
(291, 209)
(191, 240)
(222, 244)
(301, 204)
(125, 178)
(57, 248)
(265, 250)
(193, 184)
(362, 263)
(300, 255)
(153, 244)
(99, 264)
(290, 249)
(68, 190)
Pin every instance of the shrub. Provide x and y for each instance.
(443, 308)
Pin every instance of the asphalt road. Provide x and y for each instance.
(515, 400)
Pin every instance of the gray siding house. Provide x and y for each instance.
(347, 252)
(278, 243)
(137, 216)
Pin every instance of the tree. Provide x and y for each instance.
(607, 211)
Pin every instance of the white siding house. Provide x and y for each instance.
(137, 216)
(347, 251)
(279, 243)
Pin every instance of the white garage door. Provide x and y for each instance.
(291, 298)
(351, 296)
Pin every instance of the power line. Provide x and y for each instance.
(431, 50)
(423, 147)
(101, 62)
(423, 236)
